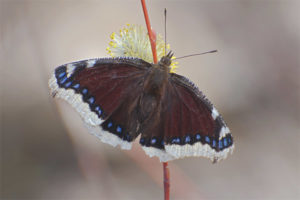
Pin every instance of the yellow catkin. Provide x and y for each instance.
(133, 41)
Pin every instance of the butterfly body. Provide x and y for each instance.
(122, 98)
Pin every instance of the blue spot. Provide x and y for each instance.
(187, 139)
(225, 142)
(153, 141)
(229, 140)
(62, 81)
(175, 141)
(119, 129)
(68, 84)
(62, 74)
(162, 142)
(220, 144)
(142, 141)
(76, 86)
(109, 125)
(84, 91)
(207, 139)
(91, 100)
(198, 137)
(128, 138)
(97, 109)
(214, 143)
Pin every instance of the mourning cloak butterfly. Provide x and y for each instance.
(122, 98)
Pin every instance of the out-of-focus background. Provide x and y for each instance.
(46, 153)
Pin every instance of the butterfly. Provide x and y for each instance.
(122, 98)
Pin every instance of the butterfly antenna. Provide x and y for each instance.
(197, 54)
(165, 13)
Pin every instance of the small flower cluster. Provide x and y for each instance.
(133, 41)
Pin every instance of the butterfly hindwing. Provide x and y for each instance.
(189, 125)
(203, 131)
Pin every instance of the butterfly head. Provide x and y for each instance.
(165, 61)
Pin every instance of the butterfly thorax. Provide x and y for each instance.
(158, 76)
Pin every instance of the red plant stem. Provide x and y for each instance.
(151, 34)
(166, 180)
(152, 39)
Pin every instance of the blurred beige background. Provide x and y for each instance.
(46, 153)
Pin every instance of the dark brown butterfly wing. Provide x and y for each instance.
(189, 125)
(104, 92)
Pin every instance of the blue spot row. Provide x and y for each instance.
(61, 75)
(225, 142)
(117, 130)
(66, 82)
(152, 142)
(91, 101)
(213, 142)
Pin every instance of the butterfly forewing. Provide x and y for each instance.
(103, 91)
